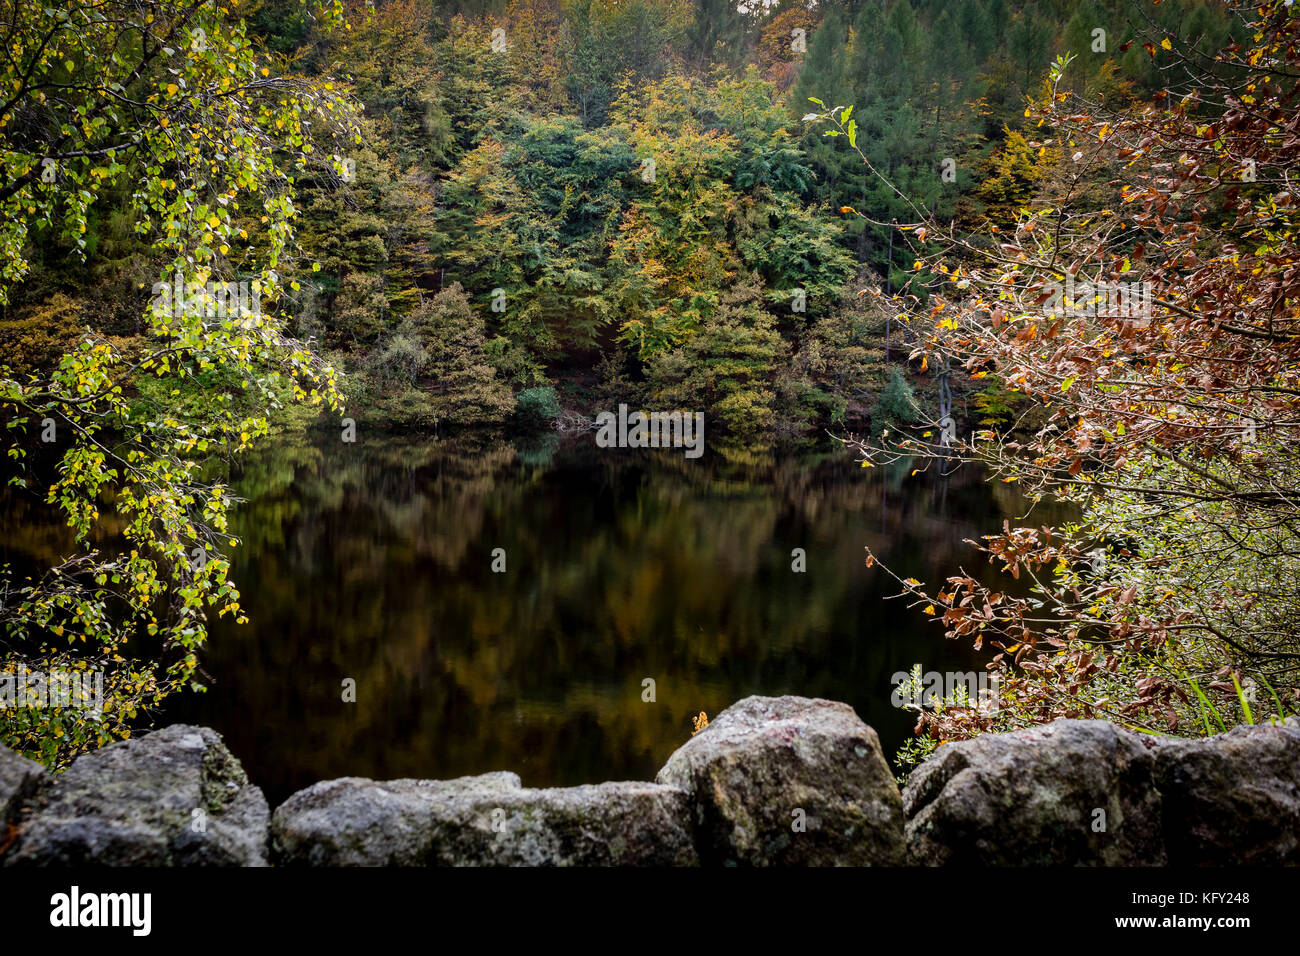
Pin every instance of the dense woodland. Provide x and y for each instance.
(470, 215)
(731, 279)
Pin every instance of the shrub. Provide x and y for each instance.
(897, 404)
(537, 407)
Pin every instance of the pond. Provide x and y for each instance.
(373, 562)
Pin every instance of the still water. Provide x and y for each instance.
(373, 562)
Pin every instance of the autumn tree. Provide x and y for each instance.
(434, 370)
(729, 367)
(726, 195)
(1153, 322)
(169, 108)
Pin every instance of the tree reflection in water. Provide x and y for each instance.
(372, 561)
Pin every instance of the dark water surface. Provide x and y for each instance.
(372, 561)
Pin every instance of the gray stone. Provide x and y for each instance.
(1234, 799)
(20, 778)
(772, 781)
(482, 821)
(353, 821)
(134, 803)
(767, 765)
(1031, 798)
(1037, 797)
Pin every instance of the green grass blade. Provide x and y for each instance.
(1206, 709)
(1241, 698)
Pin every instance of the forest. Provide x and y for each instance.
(1048, 242)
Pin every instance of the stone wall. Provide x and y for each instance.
(772, 781)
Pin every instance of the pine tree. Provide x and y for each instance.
(436, 370)
(730, 365)
(897, 405)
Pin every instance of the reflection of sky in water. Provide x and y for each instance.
(373, 561)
